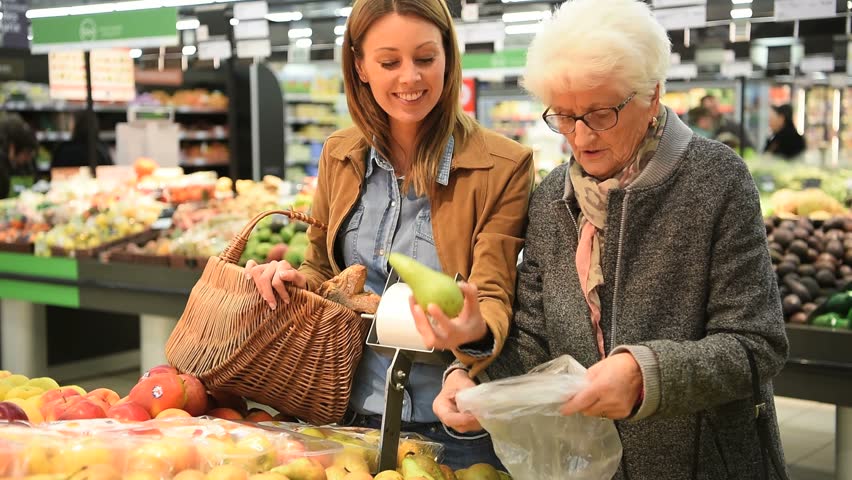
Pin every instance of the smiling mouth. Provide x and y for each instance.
(410, 96)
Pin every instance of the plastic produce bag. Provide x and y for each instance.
(533, 440)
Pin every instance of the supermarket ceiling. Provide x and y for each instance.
(828, 36)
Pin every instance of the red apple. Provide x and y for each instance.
(107, 395)
(158, 370)
(53, 410)
(258, 415)
(196, 395)
(277, 252)
(10, 412)
(128, 412)
(159, 392)
(52, 395)
(82, 410)
(288, 450)
(225, 413)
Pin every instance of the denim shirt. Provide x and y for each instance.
(383, 221)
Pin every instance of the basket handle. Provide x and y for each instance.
(234, 250)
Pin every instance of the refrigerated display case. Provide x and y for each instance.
(514, 113)
(845, 133)
(819, 128)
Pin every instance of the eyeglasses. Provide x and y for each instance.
(597, 120)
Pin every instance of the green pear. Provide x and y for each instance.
(504, 475)
(352, 461)
(335, 472)
(414, 466)
(480, 471)
(301, 469)
(312, 432)
(428, 285)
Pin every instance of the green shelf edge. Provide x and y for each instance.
(47, 267)
(43, 293)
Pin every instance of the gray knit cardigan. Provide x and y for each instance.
(687, 279)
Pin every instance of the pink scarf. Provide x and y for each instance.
(593, 196)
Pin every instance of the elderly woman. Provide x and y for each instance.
(645, 260)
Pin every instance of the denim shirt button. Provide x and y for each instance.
(381, 252)
(393, 204)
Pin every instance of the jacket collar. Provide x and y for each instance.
(673, 143)
(476, 154)
(443, 167)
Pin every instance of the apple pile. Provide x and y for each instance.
(41, 399)
(163, 392)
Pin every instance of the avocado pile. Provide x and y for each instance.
(812, 260)
(275, 239)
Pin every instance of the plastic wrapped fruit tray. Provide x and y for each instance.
(163, 448)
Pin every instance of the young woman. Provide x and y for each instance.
(416, 175)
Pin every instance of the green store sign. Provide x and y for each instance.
(504, 59)
(133, 29)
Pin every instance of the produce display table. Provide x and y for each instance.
(820, 369)
(28, 283)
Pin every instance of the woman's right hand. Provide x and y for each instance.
(445, 406)
(272, 277)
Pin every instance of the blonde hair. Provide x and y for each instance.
(446, 119)
(588, 43)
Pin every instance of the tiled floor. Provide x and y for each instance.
(807, 428)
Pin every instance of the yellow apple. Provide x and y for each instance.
(255, 452)
(11, 382)
(79, 453)
(44, 383)
(227, 472)
(23, 392)
(190, 474)
(36, 459)
(30, 407)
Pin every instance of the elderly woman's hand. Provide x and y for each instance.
(271, 278)
(615, 384)
(444, 333)
(445, 407)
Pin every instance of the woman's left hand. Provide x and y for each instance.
(615, 384)
(444, 333)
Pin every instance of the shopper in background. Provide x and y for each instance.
(75, 153)
(645, 260)
(700, 120)
(416, 175)
(721, 123)
(785, 142)
(18, 146)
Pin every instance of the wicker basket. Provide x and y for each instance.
(299, 358)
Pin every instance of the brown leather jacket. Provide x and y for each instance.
(478, 220)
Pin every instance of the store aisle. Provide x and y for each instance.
(807, 433)
(807, 428)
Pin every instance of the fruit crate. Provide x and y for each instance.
(95, 252)
(183, 261)
(17, 247)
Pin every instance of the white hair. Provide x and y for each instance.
(588, 43)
